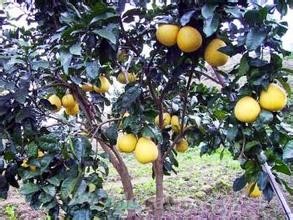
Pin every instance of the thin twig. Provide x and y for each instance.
(177, 138)
(103, 123)
(208, 76)
(186, 99)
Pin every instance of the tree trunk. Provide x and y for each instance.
(122, 170)
(159, 188)
(127, 187)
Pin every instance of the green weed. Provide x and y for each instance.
(10, 212)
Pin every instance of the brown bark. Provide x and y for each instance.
(158, 166)
(114, 156)
(122, 170)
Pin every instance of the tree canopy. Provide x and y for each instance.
(79, 47)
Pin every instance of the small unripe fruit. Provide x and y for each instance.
(55, 100)
(68, 101)
(72, 111)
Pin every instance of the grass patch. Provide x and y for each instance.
(196, 176)
(10, 212)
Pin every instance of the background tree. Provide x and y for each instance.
(76, 47)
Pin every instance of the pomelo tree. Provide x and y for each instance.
(61, 120)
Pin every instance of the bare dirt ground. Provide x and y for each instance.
(22, 209)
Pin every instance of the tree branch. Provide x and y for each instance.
(177, 138)
(186, 99)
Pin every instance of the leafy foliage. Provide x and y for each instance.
(72, 43)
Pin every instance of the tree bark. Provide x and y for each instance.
(122, 170)
(159, 204)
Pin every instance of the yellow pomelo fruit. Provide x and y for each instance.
(166, 34)
(166, 119)
(104, 85)
(189, 39)
(274, 98)
(25, 164)
(126, 143)
(214, 57)
(68, 101)
(55, 100)
(146, 150)
(40, 153)
(175, 124)
(246, 109)
(87, 87)
(182, 146)
(253, 190)
(72, 111)
(131, 77)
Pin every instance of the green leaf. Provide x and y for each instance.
(243, 67)
(32, 150)
(290, 71)
(82, 147)
(232, 133)
(288, 152)
(185, 19)
(130, 96)
(152, 132)
(54, 181)
(282, 168)
(265, 117)
(281, 6)
(112, 133)
(287, 187)
(254, 16)
(211, 25)
(107, 33)
(255, 38)
(104, 16)
(285, 85)
(207, 10)
(268, 192)
(75, 49)
(92, 69)
(45, 161)
(40, 64)
(234, 11)
(83, 214)
(251, 144)
(29, 188)
(45, 198)
(131, 125)
(68, 186)
(65, 59)
(239, 183)
(50, 190)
